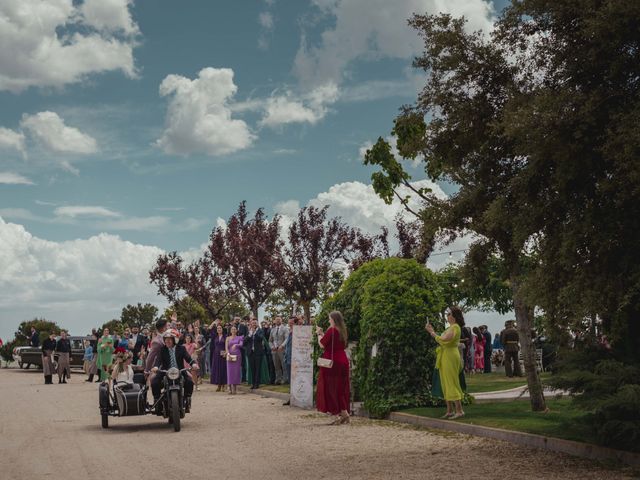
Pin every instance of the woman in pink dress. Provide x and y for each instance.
(478, 343)
(190, 345)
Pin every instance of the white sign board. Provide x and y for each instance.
(302, 367)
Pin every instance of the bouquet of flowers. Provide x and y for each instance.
(497, 358)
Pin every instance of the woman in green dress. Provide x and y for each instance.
(105, 354)
(449, 363)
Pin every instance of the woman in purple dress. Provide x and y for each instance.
(234, 360)
(218, 360)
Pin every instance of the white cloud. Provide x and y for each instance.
(52, 133)
(56, 43)
(74, 211)
(109, 16)
(19, 214)
(10, 139)
(309, 108)
(373, 29)
(8, 178)
(63, 280)
(265, 19)
(199, 117)
(358, 205)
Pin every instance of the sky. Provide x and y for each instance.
(133, 127)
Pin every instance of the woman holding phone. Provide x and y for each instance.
(449, 363)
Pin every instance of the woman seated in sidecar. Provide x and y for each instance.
(123, 377)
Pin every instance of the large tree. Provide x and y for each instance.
(139, 315)
(315, 245)
(201, 280)
(576, 129)
(457, 126)
(247, 252)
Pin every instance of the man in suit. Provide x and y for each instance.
(277, 342)
(34, 339)
(510, 339)
(138, 341)
(156, 346)
(242, 332)
(487, 348)
(254, 345)
(172, 355)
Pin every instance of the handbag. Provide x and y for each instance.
(327, 362)
(232, 358)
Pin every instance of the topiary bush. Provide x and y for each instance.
(387, 303)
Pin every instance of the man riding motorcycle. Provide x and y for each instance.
(172, 355)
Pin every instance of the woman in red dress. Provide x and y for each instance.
(333, 392)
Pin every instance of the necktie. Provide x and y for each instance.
(172, 358)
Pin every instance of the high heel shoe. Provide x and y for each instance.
(457, 415)
(346, 420)
(447, 415)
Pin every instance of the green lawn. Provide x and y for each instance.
(493, 382)
(562, 421)
(275, 388)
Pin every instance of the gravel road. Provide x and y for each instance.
(53, 431)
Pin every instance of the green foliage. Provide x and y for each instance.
(606, 388)
(43, 327)
(6, 351)
(115, 326)
(139, 315)
(348, 300)
(386, 303)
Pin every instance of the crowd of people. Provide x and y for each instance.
(231, 353)
(243, 350)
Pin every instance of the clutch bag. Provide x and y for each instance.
(325, 362)
(232, 358)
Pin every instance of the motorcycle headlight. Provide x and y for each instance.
(173, 374)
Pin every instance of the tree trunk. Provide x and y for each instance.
(306, 306)
(524, 320)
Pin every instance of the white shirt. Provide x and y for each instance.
(126, 375)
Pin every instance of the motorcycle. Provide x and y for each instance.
(123, 400)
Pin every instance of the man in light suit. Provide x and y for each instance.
(277, 338)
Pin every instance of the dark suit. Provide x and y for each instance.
(254, 346)
(487, 351)
(35, 339)
(140, 341)
(163, 362)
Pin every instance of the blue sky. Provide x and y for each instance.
(128, 128)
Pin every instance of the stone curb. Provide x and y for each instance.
(585, 450)
(593, 452)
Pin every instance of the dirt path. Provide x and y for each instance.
(53, 431)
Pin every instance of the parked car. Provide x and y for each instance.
(27, 356)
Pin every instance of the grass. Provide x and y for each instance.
(493, 382)
(275, 388)
(562, 420)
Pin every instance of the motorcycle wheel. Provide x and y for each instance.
(175, 410)
(105, 420)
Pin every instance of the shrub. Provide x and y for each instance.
(607, 388)
(386, 303)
